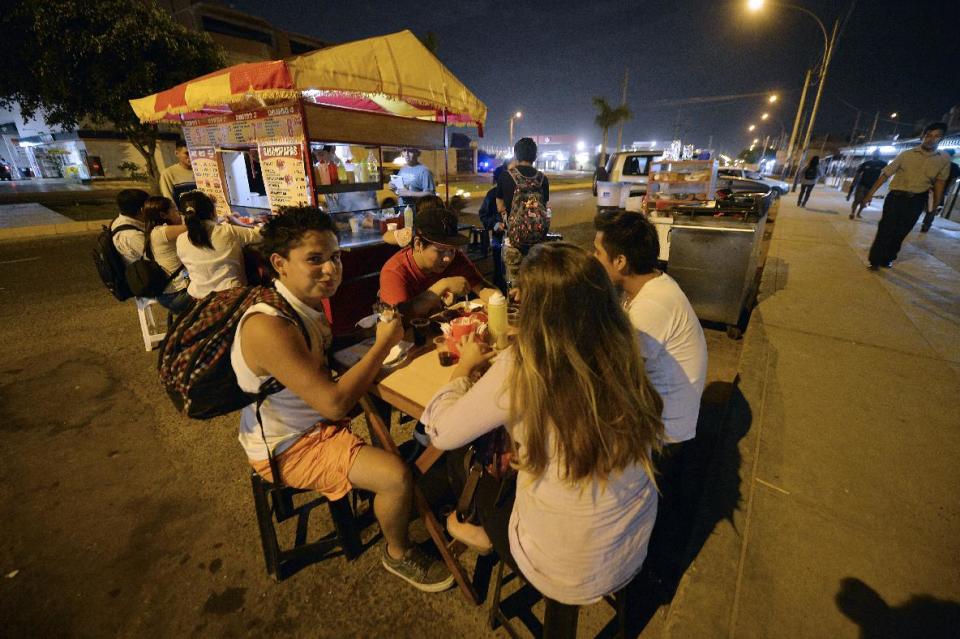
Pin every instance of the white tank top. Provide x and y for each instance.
(285, 415)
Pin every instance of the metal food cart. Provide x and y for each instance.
(714, 258)
(252, 130)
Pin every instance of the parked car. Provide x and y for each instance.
(627, 166)
(780, 186)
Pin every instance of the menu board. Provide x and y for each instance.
(284, 174)
(206, 171)
(281, 122)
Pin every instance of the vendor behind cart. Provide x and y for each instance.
(432, 270)
(417, 179)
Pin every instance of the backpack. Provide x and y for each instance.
(110, 265)
(194, 363)
(527, 221)
(146, 278)
(810, 173)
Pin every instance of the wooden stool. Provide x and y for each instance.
(559, 619)
(152, 329)
(270, 499)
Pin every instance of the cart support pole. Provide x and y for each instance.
(446, 159)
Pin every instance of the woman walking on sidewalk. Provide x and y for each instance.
(809, 178)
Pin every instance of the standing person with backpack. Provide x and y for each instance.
(494, 224)
(522, 196)
(303, 430)
(212, 253)
(808, 179)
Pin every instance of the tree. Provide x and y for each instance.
(607, 118)
(79, 62)
(430, 41)
(750, 155)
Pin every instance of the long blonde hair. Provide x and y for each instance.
(579, 375)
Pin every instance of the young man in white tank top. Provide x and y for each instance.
(303, 425)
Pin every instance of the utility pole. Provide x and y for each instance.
(623, 102)
(787, 163)
(823, 80)
(853, 133)
(873, 129)
(710, 143)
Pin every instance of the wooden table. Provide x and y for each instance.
(409, 389)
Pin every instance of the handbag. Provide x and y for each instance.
(490, 455)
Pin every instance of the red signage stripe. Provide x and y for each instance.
(259, 75)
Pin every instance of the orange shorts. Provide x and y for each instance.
(320, 460)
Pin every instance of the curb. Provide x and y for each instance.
(50, 230)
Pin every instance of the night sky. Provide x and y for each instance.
(547, 59)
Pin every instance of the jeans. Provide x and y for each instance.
(177, 302)
(805, 190)
(901, 210)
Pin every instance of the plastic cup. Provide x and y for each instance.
(354, 224)
(447, 358)
(513, 317)
(420, 328)
(392, 226)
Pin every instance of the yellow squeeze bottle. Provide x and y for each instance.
(497, 319)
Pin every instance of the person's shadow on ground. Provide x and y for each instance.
(709, 493)
(921, 616)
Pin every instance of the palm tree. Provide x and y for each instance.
(607, 118)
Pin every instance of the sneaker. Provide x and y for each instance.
(469, 534)
(419, 569)
(873, 267)
(851, 216)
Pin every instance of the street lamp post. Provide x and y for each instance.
(828, 46)
(515, 116)
(796, 125)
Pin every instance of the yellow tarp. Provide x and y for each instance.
(394, 72)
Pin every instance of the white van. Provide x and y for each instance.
(627, 166)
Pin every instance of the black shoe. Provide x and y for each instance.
(887, 265)
(924, 229)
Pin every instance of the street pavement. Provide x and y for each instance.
(828, 488)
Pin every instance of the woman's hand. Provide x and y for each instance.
(474, 355)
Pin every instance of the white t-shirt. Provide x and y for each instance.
(165, 254)
(674, 352)
(221, 267)
(129, 243)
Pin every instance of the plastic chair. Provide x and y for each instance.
(272, 500)
(559, 619)
(152, 328)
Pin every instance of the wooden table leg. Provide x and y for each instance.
(426, 513)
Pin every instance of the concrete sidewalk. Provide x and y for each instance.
(842, 451)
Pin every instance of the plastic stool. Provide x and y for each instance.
(270, 499)
(152, 328)
(559, 619)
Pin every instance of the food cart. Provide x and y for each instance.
(711, 245)
(254, 130)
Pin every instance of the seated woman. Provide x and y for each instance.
(211, 252)
(583, 419)
(418, 278)
(163, 225)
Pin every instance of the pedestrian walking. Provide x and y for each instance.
(865, 176)
(808, 178)
(914, 173)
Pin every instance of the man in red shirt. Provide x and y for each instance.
(419, 277)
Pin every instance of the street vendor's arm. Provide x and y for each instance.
(274, 346)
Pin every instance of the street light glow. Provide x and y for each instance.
(754, 5)
(756, 140)
(517, 114)
(581, 145)
(893, 115)
(773, 98)
(751, 127)
(764, 116)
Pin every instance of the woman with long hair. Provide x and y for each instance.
(584, 422)
(162, 226)
(212, 253)
(808, 179)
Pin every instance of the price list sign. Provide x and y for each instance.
(284, 174)
(206, 171)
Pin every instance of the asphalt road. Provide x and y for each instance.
(120, 518)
